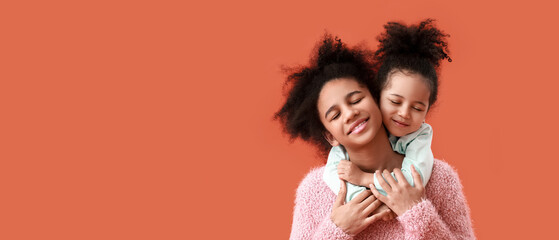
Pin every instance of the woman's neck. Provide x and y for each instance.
(376, 155)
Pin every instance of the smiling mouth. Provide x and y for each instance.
(400, 124)
(359, 127)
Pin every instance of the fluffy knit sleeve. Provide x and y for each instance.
(311, 216)
(445, 215)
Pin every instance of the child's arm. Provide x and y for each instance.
(353, 174)
(417, 148)
(332, 178)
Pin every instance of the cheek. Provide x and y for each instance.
(377, 112)
(421, 116)
(332, 128)
(385, 109)
(327, 125)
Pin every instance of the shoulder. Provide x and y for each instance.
(313, 186)
(425, 129)
(423, 135)
(311, 180)
(426, 126)
(444, 172)
(313, 192)
(444, 180)
(444, 190)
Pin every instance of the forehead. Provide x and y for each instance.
(336, 90)
(408, 84)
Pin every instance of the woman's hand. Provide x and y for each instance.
(351, 173)
(354, 216)
(400, 196)
(391, 215)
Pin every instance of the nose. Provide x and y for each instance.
(350, 114)
(404, 112)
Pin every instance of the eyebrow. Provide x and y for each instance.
(347, 96)
(420, 102)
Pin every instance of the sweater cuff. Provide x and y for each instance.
(417, 220)
(329, 230)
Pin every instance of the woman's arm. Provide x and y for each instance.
(344, 221)
(309, 219)
(445, 215)
(306, 227)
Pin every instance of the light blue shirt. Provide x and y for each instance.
(417, 149)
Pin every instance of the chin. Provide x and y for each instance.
(363, 140)
(396, 132)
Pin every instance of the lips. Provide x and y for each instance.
(399, 124)
(358, 126)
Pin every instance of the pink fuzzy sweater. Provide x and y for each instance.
(443, 213)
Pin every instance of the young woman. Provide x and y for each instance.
(335, 100)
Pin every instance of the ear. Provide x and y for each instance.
(330, 138)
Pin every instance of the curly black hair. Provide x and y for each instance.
(331, 59)
(417, 49)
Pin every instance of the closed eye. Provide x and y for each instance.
(357, 101)
(394, 102)
(335, 116)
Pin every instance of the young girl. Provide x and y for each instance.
(336, 96)
(409, 57)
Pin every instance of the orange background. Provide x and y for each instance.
(153, 120)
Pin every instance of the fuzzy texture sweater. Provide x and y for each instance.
(442, 214)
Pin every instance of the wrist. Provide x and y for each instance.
(338, 223)
(410, 206)
(367, 179)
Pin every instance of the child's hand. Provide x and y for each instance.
(400, 196)
(351, 173)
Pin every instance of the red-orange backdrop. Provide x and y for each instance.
(152, 119)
